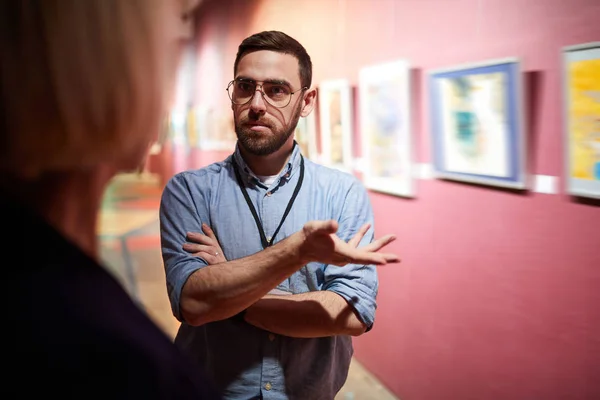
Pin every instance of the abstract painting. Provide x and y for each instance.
(335, 110)
(581, 79)
(477, 123)
(384, 92)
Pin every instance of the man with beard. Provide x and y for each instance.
(276, 320)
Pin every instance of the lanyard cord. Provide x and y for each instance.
(263, 238)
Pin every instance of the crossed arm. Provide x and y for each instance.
(202, 293)
(305, 315)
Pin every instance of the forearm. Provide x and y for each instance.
(220, 291)
(307, 315)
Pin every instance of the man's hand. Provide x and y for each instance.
(321, 244)
(205, 246)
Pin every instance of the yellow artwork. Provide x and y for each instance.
(584, 118)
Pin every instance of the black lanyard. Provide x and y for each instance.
(266, 243)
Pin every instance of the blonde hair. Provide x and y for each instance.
(82, 82)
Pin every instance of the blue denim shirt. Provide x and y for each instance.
(246, 362)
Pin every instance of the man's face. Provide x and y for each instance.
(262, 128)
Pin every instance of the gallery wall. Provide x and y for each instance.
(498, 293)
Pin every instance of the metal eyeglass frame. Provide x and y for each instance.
(262, 93)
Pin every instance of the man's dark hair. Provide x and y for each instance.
(281, 43)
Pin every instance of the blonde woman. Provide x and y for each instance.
(82, 90)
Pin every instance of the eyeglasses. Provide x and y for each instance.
(277, 94)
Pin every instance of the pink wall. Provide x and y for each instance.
(498, 294)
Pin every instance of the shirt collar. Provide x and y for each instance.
(287, 172)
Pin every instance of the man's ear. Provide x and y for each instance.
(310, 99)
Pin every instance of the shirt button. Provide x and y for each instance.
(269, 194)
(269, 238)
(268, 386)
(271, 337)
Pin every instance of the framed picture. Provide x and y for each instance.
(477, 123)
(581, 80)
(306, 136)
(385, 126)
(335, 110)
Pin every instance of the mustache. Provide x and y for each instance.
(254, 121)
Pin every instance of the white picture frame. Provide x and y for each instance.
(385, 128)
(335, 111)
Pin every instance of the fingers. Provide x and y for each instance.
(205, 246)
(210, 258)
(209, 232)
(359, 235)
(372, 250)
(391, 258)
(198, 237)
(196, 248)
(362, 258)
(378, 244)
(210, 254)
(205, 238)
(366, 258)
(366, 254)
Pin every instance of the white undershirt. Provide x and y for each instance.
(267, 180)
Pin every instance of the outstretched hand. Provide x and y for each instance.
(321, 244)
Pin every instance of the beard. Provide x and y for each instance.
(261, 144)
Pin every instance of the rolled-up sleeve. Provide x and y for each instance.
(179, 213)
(356, 283)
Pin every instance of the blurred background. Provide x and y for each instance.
(497, 296)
